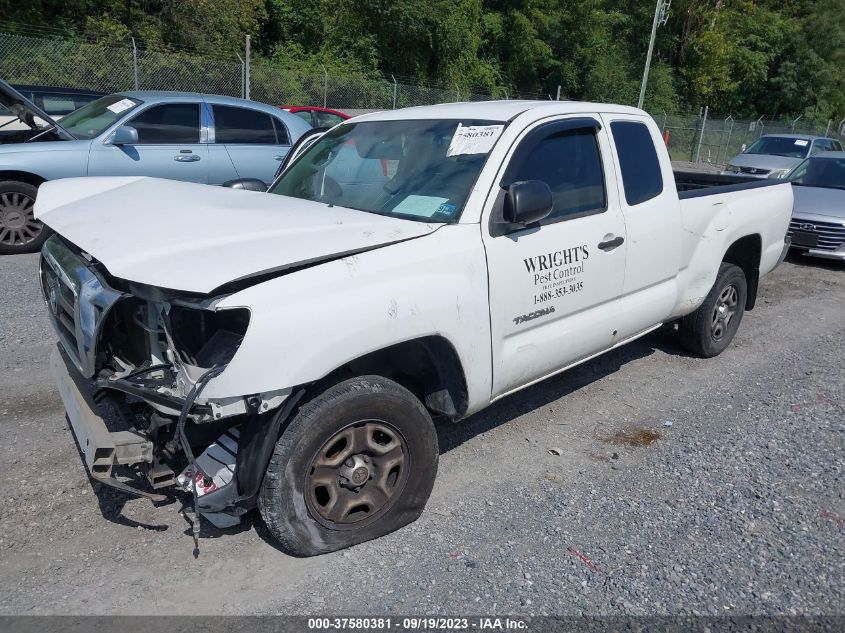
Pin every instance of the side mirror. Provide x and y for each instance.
(744, 147)
(527, 202)
(248, 184)
(125, 135)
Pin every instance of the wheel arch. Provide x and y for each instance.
(429, 367)
(22, 176)
(746, 253)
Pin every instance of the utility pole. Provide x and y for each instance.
(661, 15)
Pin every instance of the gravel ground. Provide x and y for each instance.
(738, 507)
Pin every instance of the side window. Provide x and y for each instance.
(169, 123)
(242, 125)
(570, 163)
(819, 146)
(58, 105)
(282, 136)
(305, 115)
(641, 175)
(327, 119)
(836, 146)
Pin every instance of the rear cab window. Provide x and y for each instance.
(642, 178)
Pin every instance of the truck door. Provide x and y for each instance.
(653, 221)
(555, 285)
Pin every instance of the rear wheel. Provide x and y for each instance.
(357, 462)
(710, 329)
(20, 232)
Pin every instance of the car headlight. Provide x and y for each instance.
(779, 173)
(732, 168)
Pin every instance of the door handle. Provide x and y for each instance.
(278, 157)
(186, 158)
(609, 245)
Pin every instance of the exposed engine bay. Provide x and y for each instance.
(140, 358)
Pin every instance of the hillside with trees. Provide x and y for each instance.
(746, 57)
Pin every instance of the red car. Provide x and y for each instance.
(316, 116)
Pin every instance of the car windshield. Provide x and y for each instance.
(820, 172)
(419, 170)
(780, 146)
(92, 119)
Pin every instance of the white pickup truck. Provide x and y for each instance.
(291, 349)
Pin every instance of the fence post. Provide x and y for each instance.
(796, 121)
(557, 98)
(395, 86)
(730, 132)
(135, 63)
(243, 76)
(247, 47)
(325, 86)
(829, 123)
(701, 134)
(759, 123)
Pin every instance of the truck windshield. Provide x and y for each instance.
(820, 172)
(419, 170)
(91, 120)
(780, 146)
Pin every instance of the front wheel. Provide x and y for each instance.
(20, 232)
(356, 462)
(711, 328)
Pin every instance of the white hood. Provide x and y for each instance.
(196, 238)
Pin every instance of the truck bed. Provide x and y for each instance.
(692, 184)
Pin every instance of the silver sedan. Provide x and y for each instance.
(818, 217)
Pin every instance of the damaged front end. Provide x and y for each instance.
(131, 366)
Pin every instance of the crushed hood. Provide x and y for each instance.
(196, 238)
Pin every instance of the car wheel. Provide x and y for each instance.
(20, 232)
(711, 328)
(356, 462)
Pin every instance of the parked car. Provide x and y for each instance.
(57, 101)
(316, 116)
(179, 135)
(409, 265)
(775, 155)
(818, 217)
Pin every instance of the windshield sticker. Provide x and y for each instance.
(474, 139)
(420, 206)
(801, 142)
(121, 106)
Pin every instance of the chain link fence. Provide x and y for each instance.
(77, 63)
(24, 59)
(715, 139)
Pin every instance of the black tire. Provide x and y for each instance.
(709, 330)
(20, 232)
(298, 496)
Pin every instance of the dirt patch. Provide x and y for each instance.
(633, 437)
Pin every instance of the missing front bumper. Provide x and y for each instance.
(101, 449)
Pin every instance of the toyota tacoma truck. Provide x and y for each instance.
(292, 349)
